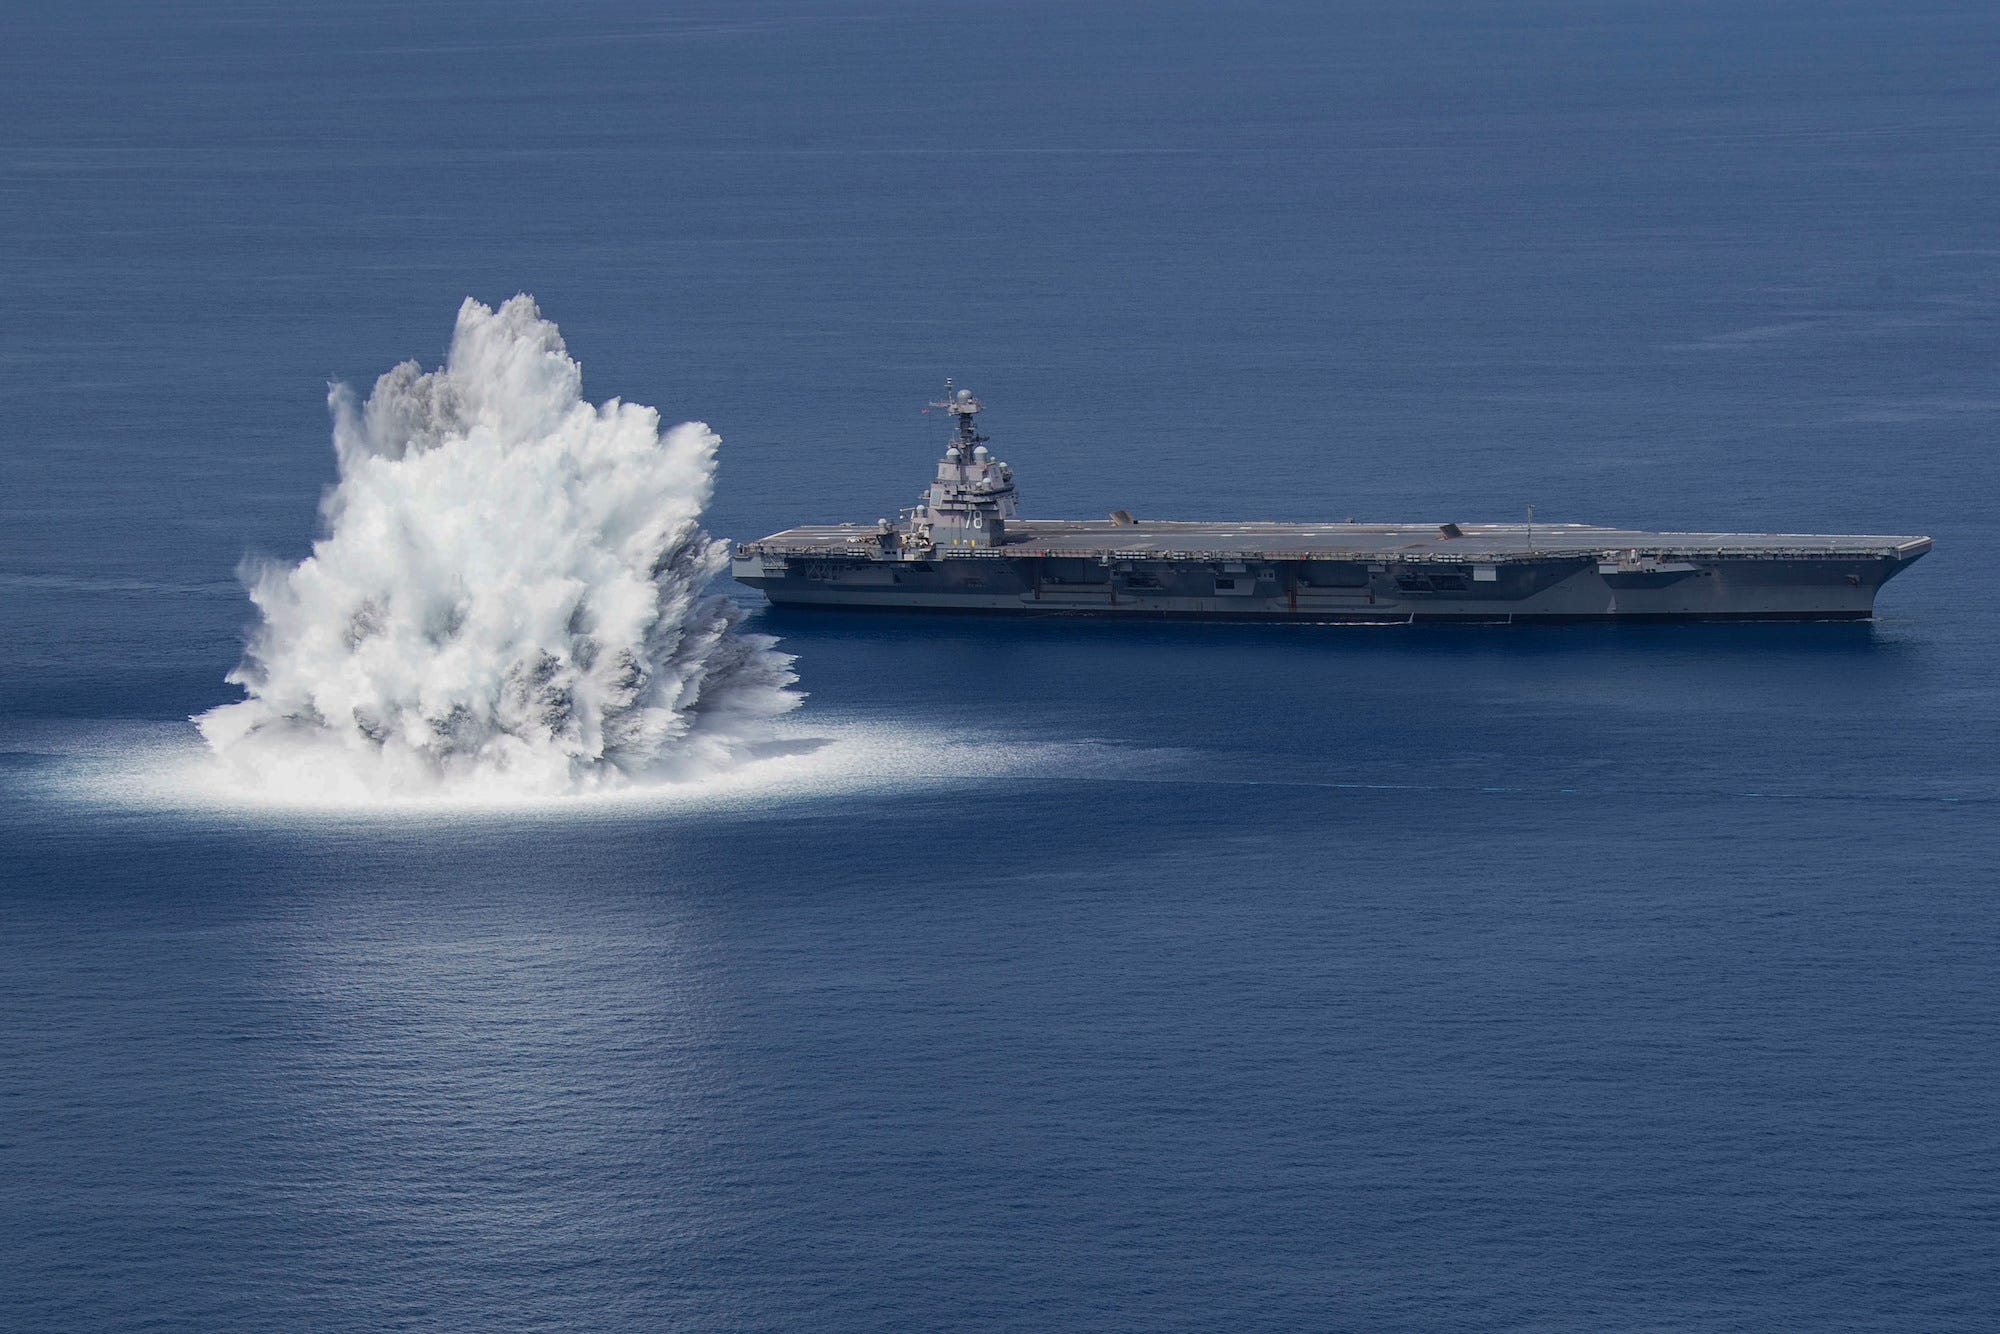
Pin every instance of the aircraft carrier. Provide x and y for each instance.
(964, 548)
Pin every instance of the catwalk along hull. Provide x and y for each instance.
(1340, 573)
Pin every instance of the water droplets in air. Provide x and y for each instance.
(508, 594)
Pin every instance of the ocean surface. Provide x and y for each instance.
(1072, 976)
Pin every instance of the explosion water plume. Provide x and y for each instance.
(508, 593)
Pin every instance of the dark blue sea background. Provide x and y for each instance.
(1202, 977)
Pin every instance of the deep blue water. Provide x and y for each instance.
(1266, 978)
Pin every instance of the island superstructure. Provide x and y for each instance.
(963, 547)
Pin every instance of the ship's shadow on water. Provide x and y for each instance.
(805, 630)
(791, 748)
(1664, 709)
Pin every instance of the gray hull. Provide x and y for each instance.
(1381, 574)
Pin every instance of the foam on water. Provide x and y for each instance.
(163, 767)
(507, 599)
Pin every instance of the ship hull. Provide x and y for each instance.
(1602, 585)
(1485, 616)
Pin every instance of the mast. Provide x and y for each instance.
(963, 407)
